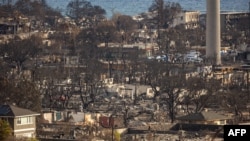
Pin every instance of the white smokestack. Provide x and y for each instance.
(213, 31)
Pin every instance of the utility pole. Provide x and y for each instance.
(111, 123)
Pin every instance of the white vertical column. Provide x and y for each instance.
(213, 31)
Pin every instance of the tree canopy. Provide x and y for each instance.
(5, 130)
(78, 9)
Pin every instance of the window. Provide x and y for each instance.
(24, 120)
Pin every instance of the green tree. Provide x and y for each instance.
(5, 129)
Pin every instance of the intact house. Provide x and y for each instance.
(22, 121)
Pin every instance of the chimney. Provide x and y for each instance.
(213, 31)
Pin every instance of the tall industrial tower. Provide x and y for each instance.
(213, 31)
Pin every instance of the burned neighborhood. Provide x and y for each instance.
(167, 74)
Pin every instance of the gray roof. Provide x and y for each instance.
(203, 116)
(14, 111)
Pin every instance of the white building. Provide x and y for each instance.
(188, 18)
